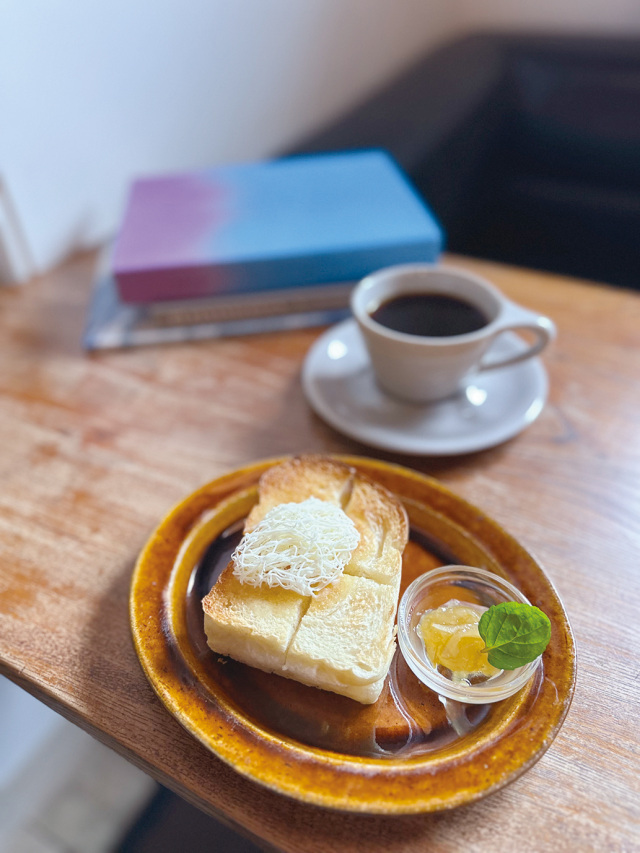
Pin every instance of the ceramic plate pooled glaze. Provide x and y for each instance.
(407, 753)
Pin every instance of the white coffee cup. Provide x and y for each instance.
(424, 368)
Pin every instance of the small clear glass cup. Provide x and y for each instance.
(464, 584)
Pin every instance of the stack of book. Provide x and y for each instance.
(255, 247)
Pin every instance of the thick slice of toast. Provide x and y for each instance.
(343, 638)
(239, 619)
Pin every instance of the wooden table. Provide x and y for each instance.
(94, 449)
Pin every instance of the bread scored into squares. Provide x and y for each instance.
(342, 637)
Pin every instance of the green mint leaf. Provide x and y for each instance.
(514, 633)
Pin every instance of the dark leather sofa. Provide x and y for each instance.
(526, 147)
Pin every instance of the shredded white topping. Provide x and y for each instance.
(299, 546)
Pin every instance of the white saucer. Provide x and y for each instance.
(339, 384)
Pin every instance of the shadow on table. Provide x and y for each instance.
(169, 824)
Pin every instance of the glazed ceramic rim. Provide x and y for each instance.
(500, 686)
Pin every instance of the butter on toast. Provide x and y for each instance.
(343, 638)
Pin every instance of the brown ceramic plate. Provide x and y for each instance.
(400, 755)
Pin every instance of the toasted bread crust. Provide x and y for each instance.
(300, 478)
(342, 639)
(382, 523)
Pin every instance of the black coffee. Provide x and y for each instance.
(433, 315)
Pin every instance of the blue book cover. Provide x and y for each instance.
(288, 223)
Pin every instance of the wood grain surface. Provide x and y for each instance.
(95, 449)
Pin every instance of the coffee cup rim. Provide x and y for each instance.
(363, 316)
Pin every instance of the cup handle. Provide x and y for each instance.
(516, 318)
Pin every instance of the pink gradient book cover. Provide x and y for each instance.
(294, 222)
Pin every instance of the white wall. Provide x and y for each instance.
(92, 94)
